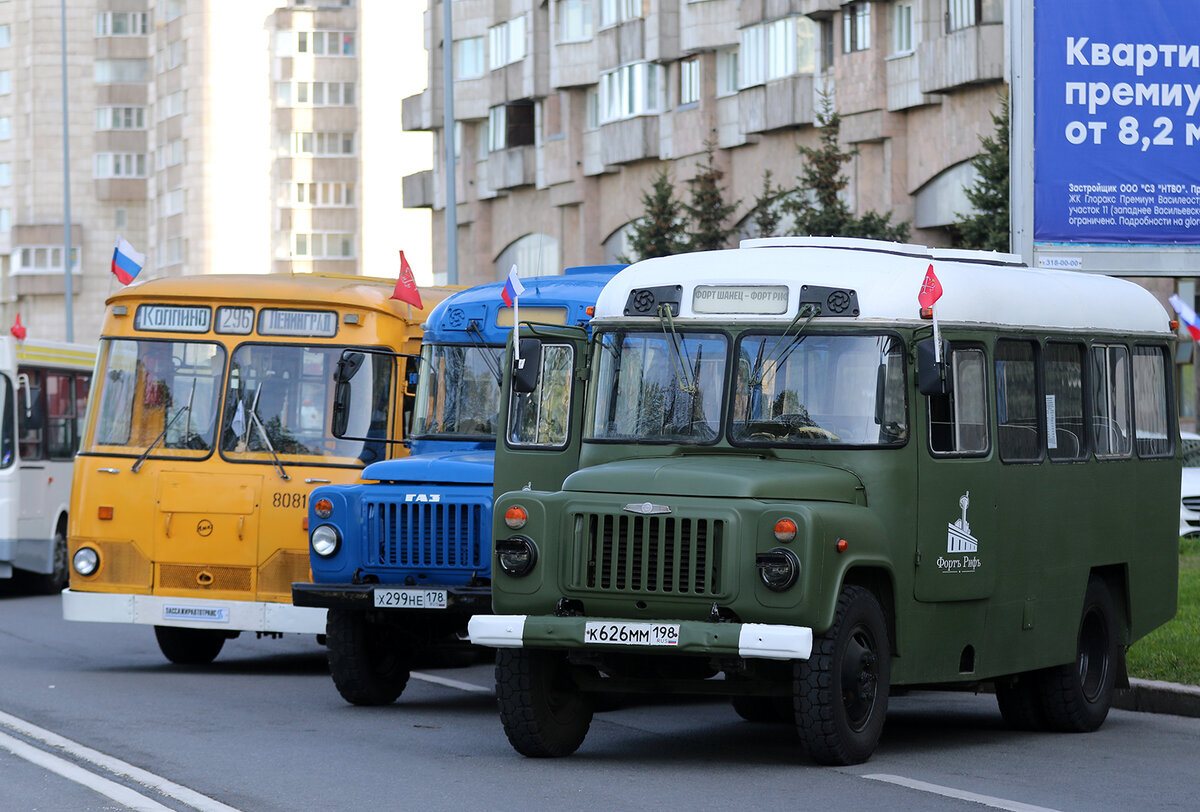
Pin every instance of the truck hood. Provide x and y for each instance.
(472, 467)
(720, 477)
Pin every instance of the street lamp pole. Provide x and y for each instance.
(66, 184)
(448, 141)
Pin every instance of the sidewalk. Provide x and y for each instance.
(1151, 696)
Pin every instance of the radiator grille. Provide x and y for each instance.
(1192, 502)
(664, 555)
(275, 578)
(444, 535)
(205, 579)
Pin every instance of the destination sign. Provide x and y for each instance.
(235, 320)
(762, 300)
(308, 323)
(172, 318)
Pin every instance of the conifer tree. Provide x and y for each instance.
(658, 232)
(988, 228)
(767, 215)
(708, 210)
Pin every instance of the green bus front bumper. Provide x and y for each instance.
(750, 640)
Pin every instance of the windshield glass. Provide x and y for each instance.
(6, 421)
(839, 389)
(164, 391)
(659, 387)
(458, 392)
(278, 403)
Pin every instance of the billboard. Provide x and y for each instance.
(1116, 122)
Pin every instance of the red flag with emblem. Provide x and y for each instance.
(18, 329)
(406, 285)
(931, 289)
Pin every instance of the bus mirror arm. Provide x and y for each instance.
(933, 376)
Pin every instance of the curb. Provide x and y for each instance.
(1151, 696)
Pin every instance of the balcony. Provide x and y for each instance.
(904, 83)
(781, 103)
(417, 190)
(416, 112)
(512, 168)
(633, 139)
(965, 57)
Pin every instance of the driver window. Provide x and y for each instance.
(541, 418)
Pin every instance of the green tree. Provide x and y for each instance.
(766, 207)
(658, 232)
(988, 228)
(708, 210)
(816, 205)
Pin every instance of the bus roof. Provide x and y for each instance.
(336, 289)
(46, 353)
(575, 290)
(979, 287)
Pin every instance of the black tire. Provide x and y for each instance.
(1020, 701)
(544, 713)
(841, 691)
(56, 580)
(763, 709)
(1076, 697)
(369, 662)
(189, 646)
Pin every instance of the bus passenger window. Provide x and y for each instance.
(1110, 401)
(1018, 437)
(1150, 418)
(30, 415)
(958, 421)
(1065, 437)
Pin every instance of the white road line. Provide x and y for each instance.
(451, 683)
(962, 795)
(170, 789)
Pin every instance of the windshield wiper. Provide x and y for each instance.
(137, 465)
(812, 310)
(262, 430)
(679, 360)
(493, 363)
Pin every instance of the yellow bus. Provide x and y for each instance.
(43, 394)
(208, 425)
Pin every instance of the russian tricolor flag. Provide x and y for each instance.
(512, 287)
(1186, 315)
(126, 261)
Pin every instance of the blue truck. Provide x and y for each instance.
(402, 559)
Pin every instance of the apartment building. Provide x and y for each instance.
(215, 136)
(565, 109)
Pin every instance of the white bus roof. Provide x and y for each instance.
(37, 352)
(979, 287)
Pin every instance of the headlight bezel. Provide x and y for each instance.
(511, 550)
(778, 569)
(325, 547)
(86, 561)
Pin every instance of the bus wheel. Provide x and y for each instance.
(189, 646)
(1020, 701)
(56, 580)
(841, 691)
(544, 713)
(1076, 697)
(369, 662)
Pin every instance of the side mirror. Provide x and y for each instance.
(526, 370)
(348, 365)
(933, 376)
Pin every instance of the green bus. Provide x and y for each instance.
(795, 486)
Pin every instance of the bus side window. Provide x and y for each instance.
(1018, 437)
(958, 421)
(1065, 435)
(1150, 415)
(60, 415)
(1110, 401)
(30, 415)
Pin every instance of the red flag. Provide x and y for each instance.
(18, 329)
(406, 285)
(931, 289)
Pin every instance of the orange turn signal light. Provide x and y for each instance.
(927, 313)
(515, 517)
(842, 545)
(323, 508)
(304, 523)
(104, 512)
(785, 530)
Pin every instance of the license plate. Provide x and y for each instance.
(411, 598)
(632, 634)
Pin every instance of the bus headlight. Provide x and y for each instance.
(779, 569)
(516, 556)
(325, 540)
(86, 561)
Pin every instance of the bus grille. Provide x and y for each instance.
(205, 579)
(275, 578)
(444, 535)
(664, 555)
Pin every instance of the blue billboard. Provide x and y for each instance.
(1117, 122)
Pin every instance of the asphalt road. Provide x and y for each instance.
(262, 729)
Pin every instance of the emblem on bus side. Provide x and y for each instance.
(960, 543)
(647, 508)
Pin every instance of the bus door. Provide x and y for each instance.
(31, 435)
(541, 415)
(957, 528)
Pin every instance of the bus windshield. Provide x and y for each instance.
(277, 405)
(840, 389)
(158, 395)
(458, 394)
(659, 387)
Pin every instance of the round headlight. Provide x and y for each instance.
(779, 569)
(516, 556)
(86, 561)
(515, 517)
(325, 540)
(323, 508)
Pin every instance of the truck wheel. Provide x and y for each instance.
(1020, 701)
(189, 646)
(841, 691)
(369, 661)
(544, 713)
(1076, 697)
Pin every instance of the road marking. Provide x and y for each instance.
(451, 683)
(169, 789)
(962, 795)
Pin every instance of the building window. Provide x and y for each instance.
(120, 165)
(961, 14)
(174, 252)
(629, 91)
(32, 259)
(170, 57)
(592, 100)
(781, 48)
(172, 9)
(121, 23)
(5, 128)
(510, 125)
(322, 245)
(902, 28)
(5, 36)
(170, 154)
(574, 20)
(5, 221)
(120, 118)
(618, 11)
(113, 71)
(171, 203)
(5, 174)
(329, 144)
(120, 218)
(325, 193)
(325, 43)
(506, 43)
(314, 94)
(173, 104)
(5, 82)
(468, 58)
(856, 27)
(827, 39)
(689, 81)
(727, 72)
